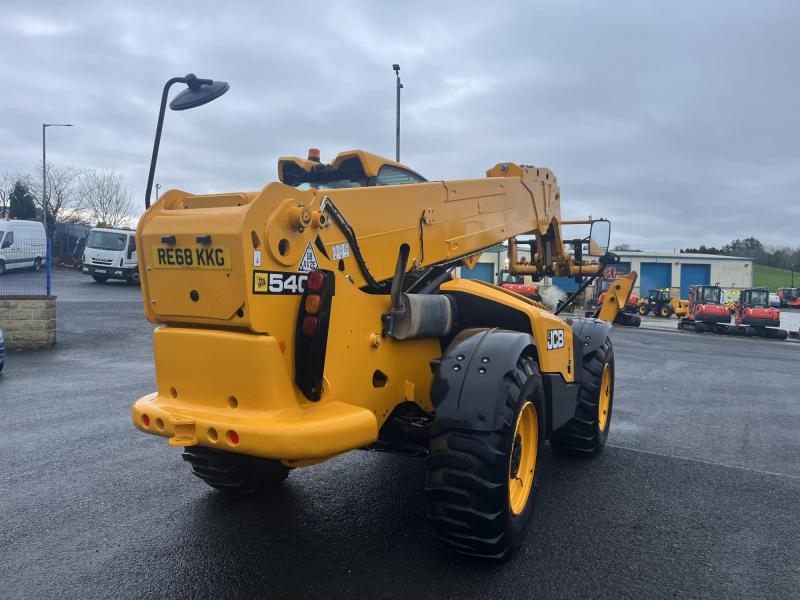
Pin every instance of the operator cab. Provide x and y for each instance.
(351, 169)
(754, 298)
(707, 295)
(659, 296)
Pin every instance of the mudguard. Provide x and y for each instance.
(476, 360)
(590, 332)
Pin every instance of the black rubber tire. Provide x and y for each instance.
(467, 490)
(581, 436)
(133, 279)
(2, 268)
(99, 278)
(235, 473)
(37, 264)
(665, 312)
(644, 310)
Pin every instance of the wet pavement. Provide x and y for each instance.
(696, 495)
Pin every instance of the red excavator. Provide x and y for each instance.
(789, 297)
(754, 316)
(706, 310)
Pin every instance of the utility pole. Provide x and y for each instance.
(396, 68)
(44, 170)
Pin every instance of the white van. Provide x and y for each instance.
(23, 245)
(111, 254)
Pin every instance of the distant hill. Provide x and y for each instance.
(774, 278)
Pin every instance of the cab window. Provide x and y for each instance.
(8, 240)
(131, 245)
(390, 175)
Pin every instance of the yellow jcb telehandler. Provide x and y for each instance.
(320, 315)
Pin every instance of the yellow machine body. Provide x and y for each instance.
(225, 346)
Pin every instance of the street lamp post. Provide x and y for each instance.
(396, 68)
(197, 93)
(44, 170)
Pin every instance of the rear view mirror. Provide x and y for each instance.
(599, 237)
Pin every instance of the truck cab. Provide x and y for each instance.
(111, 254)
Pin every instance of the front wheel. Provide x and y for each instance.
(644, 310)
(586, 433)
(482, 484)
(665, 311)
(100, 278)
(235, 473)
(37, 264)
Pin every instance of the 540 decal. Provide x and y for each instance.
(269, 282)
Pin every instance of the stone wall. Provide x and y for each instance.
(29, 322)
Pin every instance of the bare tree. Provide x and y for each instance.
(64, 203)
(105, 197)
(7, 181)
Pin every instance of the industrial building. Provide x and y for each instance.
(656, 270)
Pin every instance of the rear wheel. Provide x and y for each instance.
(37, 264)
(235, 473)
(644, 310)
(482, 484)
(2, 267)
(100, 278)
(665, 311)
(587, 432)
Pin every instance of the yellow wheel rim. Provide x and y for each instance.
(523, 458)
(605, 398)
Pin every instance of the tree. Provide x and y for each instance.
(7, 181)
(20, 202)
(63, 202)
(105, 197)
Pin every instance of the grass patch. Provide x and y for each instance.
(774, 278)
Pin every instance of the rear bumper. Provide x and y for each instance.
(109, 271)
(761, 322)
(211, 383)
(701, 318)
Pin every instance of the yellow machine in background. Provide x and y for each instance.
(320, 315)
(662, 304)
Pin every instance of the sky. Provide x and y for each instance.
(676, 120)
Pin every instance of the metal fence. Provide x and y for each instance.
(25, 268)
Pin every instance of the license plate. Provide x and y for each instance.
(99, 270)
(192, 257)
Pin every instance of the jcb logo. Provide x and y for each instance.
(555, 339)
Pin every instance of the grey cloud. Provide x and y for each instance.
(678, 121)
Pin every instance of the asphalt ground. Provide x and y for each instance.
(697, 494)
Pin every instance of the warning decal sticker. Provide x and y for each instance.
(309, 260)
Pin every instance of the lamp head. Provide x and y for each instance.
(198, 92)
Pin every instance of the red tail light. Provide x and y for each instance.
(309, 326)
(315, 281)
(311, 338)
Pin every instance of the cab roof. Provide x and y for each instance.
(292, 169)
